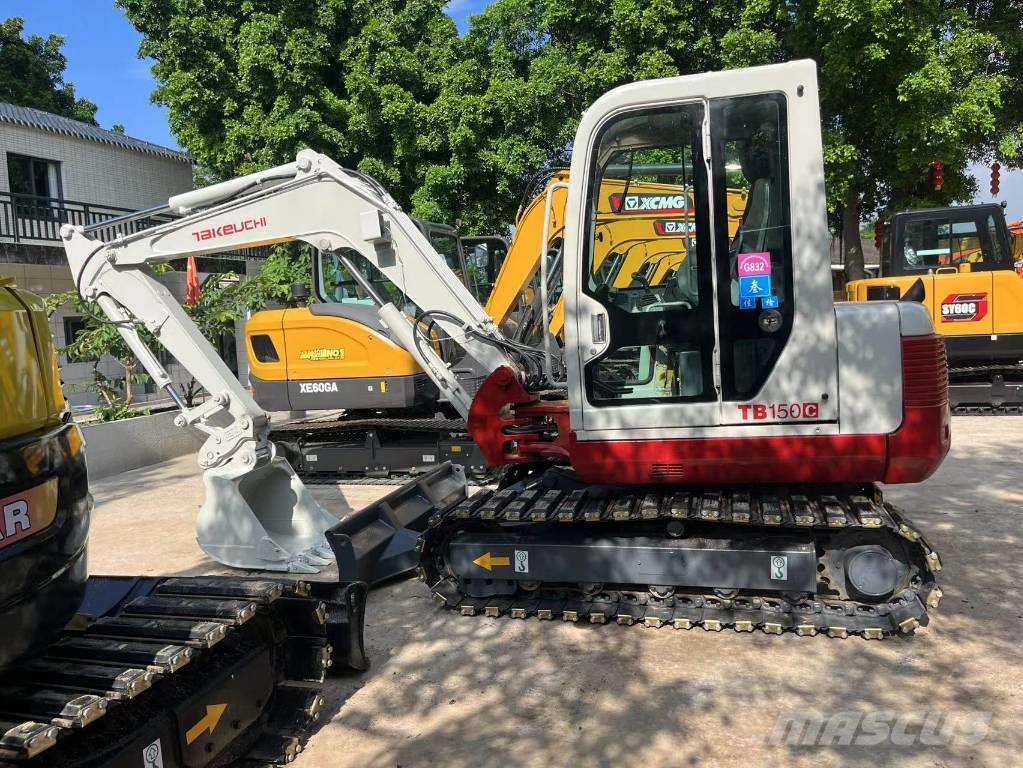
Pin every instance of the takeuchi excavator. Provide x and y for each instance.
(706, 454)
(148, 671)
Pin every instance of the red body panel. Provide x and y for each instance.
(509, 427)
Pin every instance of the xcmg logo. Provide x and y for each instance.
(667, 227)
(246, 225)
(649, 203)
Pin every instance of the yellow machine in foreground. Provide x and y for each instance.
(960, 264)
(234, 664)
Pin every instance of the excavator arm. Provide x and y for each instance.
(257, 512)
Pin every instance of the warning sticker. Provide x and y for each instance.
(521, 561)
(779, 568)
(152, 755)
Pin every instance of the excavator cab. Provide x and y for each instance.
(959, 264)
(694, 351)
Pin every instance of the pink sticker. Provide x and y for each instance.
(754, 264)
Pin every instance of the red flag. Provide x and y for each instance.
(192, 282)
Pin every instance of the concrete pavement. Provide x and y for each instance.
(449, 691)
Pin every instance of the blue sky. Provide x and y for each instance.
(101, 48)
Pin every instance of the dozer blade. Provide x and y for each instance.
(378, 543)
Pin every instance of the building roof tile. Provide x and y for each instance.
(46, 121)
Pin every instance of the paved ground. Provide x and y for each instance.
(448, 691)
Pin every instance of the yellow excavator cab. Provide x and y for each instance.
(961, 263)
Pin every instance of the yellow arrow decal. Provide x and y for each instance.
(488, 561)
(208, 723)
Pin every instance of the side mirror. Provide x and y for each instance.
(299, 293)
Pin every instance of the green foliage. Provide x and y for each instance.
(526, 71)
(100, 339)
(902, 85)
(117, 411)
(456, 127)
(286, 265)
(32, 74)
(250, 82)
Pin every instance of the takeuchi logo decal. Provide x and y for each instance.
(246, 225)
(636, 202)
(964, 307)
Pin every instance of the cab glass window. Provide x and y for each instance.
(648, 259)
(753, 238)
(336, 284)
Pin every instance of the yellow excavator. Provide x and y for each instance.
(118, 670)
(336, 353)
(964, 265)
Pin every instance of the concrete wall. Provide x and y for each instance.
(93, 172)
(118, 446)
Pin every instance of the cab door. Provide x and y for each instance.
(743, 334)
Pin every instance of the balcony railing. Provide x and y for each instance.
(28, 218)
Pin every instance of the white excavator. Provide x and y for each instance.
(705, 452)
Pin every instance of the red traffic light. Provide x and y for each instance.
(938, 175)
(995, 178)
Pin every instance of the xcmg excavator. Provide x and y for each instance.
(149, 671)
(321, 357)
(708, 453)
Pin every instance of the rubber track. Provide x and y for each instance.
(757, 512)
(986, 409)
(238, 608)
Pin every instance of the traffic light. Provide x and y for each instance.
(995, 177)
(938, 175)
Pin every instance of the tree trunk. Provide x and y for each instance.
(129, 373)
(852, 248)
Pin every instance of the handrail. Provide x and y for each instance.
(39, 219)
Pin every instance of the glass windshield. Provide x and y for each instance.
(337, 285)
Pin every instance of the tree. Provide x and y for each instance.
(32, 74)
(526, 71)
(250, 82)
(98, 341)
(902, 85)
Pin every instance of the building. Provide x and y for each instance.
(54, 170)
